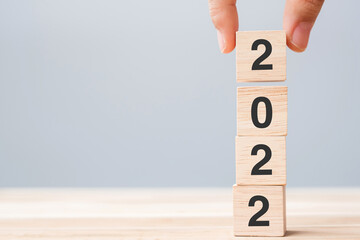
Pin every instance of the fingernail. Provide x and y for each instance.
(300, 36)
(221, 41)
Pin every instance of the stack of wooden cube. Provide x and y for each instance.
(259, 192)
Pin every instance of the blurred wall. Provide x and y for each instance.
(137, 94)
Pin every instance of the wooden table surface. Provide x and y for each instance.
(165, 214)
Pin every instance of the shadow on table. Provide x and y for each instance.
(314, 233)
(323, 233)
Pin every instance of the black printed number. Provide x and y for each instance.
(254, 112)
(268, 49)
(256, 169)
(254, 219)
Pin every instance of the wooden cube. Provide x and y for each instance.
(259, 210)
(261, 56)
(260, 160)
(262, 111)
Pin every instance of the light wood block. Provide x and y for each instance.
(269, 104)
(250, 201)
(253, 46)
(260, 160)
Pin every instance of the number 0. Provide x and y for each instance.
(254, 112)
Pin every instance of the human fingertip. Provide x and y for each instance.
(293, 47)
(299, 38)
(221, 41)
(227, 39)
(228, 50)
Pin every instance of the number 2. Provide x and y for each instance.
(256, 169)
(268, 49)
(254, 222)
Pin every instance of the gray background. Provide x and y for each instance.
(136, 93)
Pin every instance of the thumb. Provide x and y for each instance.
(224, 16)
(299, 18)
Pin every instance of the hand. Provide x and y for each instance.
(299, 18)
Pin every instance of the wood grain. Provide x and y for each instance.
(275, 215)
(245, 56)
(278, 98)
(163, 214)
(245, 161)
